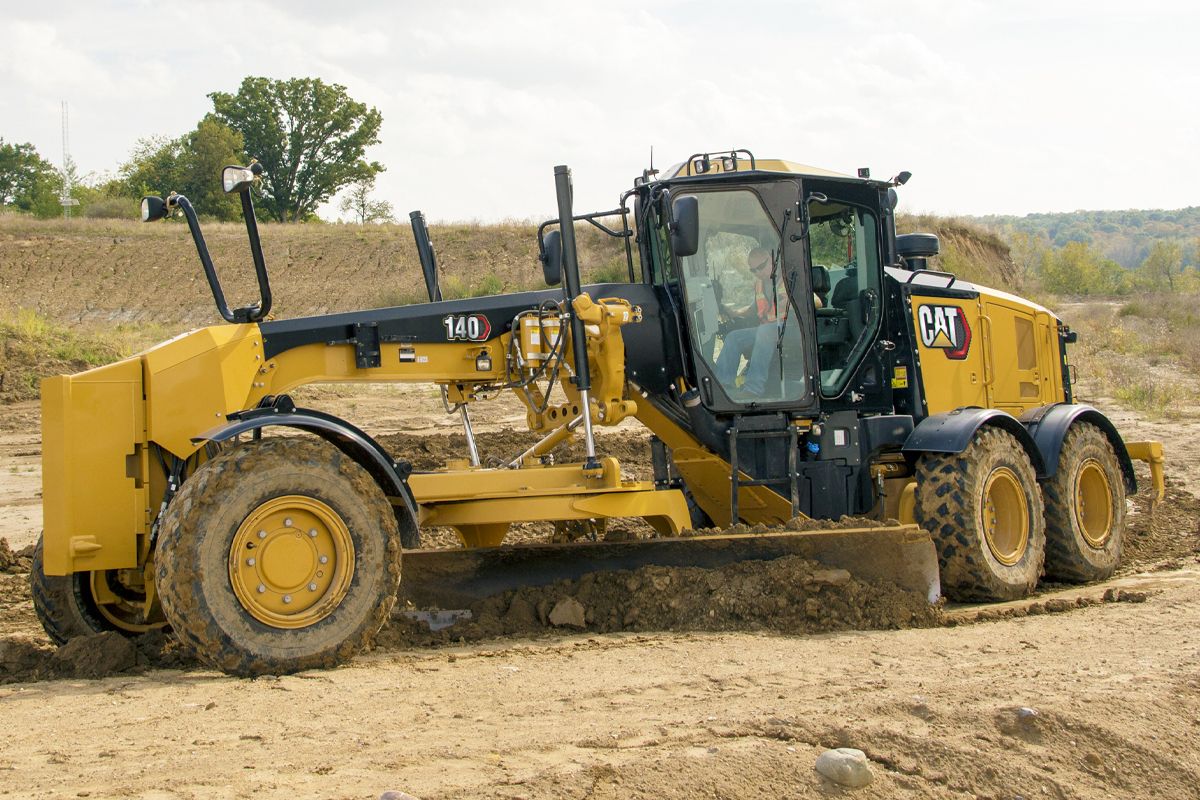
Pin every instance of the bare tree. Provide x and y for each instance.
(358, 202)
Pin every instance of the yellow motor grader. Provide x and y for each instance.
(789, 353)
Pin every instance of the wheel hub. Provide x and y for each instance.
(1093, 503)
(291, 561)
(1005, 516)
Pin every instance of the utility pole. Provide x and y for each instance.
(65, 199)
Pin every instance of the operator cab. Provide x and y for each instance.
(781, 298)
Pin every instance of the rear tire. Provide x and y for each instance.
(1085, 508)
(984, 510)
(277, 556)
(67, 608)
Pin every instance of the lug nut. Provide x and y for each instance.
(312, 534)
(262, 589)
(249, 562)
(324, 559)
(262, 534)
(287, 522)
(287, 598)
(312, 587)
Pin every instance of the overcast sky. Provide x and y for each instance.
(995, 107)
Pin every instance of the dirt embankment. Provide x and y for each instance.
(114, 271)
(105, 272)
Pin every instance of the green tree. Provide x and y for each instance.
(1077, 268)
(1163, 267)
(27, 181)
(190, 165)
(309, 136)
(358, 202)
(1027, 249)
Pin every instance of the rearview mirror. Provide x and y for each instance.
(685, 230)
(154, 208)
(235, 180)
(552, 258)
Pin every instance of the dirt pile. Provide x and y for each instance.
(25, 659)
(787, 595)
(15, 563)
(1163, 535)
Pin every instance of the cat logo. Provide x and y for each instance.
(945, 328)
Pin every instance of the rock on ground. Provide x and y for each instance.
(845, 766)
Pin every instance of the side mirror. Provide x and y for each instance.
(685, 230)
(235, 180)
(552, 257)
(154, 208)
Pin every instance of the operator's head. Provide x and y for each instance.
(758, 260)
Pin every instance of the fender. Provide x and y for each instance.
(352, 441)
(1049, 425)
(952, 431)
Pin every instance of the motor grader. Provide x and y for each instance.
(860, 383)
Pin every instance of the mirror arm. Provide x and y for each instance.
(256, 312)
(210, 272)
(252, 313)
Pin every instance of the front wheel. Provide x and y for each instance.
(984, 510)
(278, 556)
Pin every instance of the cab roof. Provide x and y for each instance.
(777, 165)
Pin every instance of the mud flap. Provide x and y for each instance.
(444, 579)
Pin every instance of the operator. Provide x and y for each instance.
(758, 341)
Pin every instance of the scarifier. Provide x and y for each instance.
(789, 353)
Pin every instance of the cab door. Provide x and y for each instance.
(751, 341)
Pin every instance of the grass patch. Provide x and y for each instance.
(32, 348)
(1149, 396)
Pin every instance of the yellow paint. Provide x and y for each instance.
(481, 503)
(94, 493)
(1152, 454)
(291, 562)
(1012, 362)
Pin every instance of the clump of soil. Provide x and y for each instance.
(15, 563)
(24, 659)
(1162, 535)
(787, 595)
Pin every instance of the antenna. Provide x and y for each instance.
(65, 199)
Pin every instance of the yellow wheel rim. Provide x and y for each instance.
(1093, 503)
(1005, 516)
(291, 562)
(126, 615)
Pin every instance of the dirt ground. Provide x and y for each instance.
(1080, 692)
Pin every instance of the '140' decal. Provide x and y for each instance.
(946, 329)
(467, 327)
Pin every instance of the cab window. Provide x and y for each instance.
(844, 250)
(740, 319)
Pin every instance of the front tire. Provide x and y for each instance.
(278, 556)
(984, 509)
(1085, 508)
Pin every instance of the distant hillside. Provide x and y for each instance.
(1124, 236)
(98, 273)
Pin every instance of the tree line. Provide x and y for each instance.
(1126, 236)
(1081, 268)
(311, 138)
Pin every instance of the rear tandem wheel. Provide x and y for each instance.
(984, 509)
(276, 556)
(1085, 508)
